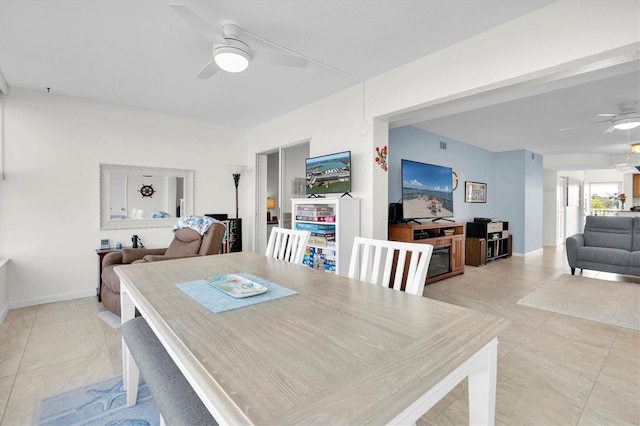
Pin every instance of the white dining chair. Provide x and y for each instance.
(287, 244)
(374, 260)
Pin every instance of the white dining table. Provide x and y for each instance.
(340, 351)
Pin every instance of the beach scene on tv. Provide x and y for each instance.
(329, 173)
(427, 191)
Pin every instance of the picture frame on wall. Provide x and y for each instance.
(475, 192)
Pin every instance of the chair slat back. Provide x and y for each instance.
(287, 244)
(373, 261)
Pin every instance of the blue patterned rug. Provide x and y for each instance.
(103, 403)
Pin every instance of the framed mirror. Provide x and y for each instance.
(143, 197)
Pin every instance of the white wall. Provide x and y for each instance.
(49, 207)
(575, 216)
(49, 224)
(4, 289)
(332, 125)
(611, 176)
(562, 36)
(273, 172)
(293, 163)
(550, 208)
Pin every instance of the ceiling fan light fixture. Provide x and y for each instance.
(231, 59)
(626, 123)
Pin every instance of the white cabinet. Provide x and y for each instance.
(333, 223)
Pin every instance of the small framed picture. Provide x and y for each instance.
(475, 192)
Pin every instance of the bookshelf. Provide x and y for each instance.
(333, 223)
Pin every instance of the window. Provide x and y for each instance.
(604, 196)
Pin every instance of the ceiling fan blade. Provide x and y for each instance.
(609, 130)
(208, 70)
(585, 124)
(279, 58)
(197, 23)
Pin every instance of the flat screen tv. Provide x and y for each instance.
(427, 191)
(328, 174)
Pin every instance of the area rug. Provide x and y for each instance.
(110, 318)
(611, 302)
(103, 403)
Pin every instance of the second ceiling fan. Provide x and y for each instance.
(231, 52)
(628, 118)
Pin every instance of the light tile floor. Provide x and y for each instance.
(553, 369)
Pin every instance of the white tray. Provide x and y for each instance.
(236, 286)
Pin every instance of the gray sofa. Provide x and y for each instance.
(608, 244)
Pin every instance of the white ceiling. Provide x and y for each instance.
(141, 54)
(533, 121)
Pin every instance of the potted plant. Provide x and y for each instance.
(622, 198)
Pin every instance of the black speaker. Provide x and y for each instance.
(395, 213)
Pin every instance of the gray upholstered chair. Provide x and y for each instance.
(186, 242)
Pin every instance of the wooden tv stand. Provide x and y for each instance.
(434, 234)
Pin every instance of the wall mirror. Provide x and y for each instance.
(143, 197)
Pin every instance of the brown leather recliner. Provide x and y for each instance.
(186, 242)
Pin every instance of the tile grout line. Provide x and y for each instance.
(595, 381)
(15, 377)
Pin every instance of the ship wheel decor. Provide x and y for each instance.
(147, 191)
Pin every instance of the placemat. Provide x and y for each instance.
(217, 301)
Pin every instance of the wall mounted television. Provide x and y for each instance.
(328, 174)
(427, 191)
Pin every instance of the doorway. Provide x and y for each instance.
(280, 175)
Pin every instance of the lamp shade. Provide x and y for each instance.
(231, 59)
(271, 203)
(236, 169)
(626, 123)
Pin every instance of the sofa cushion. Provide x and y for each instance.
(110, 280)
(129, 255)
(634, 259)
(186, 242)
(609, 232)
(636, 234)
(634, 263)
(610, 256)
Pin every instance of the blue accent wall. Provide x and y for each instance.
(533, 206)
(513, 178)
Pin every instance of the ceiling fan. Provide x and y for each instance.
(628, 118)
(231, 52)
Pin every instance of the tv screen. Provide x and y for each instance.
(427, 191)
(329, 173)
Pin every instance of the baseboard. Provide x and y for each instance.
(530, 253)
(50, 299)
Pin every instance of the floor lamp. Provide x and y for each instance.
(236, 171)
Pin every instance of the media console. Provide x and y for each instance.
(447, 240)
(487, 241)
